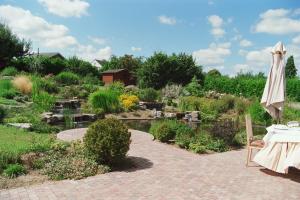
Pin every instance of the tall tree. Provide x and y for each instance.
(290, 68)
(10, 45)
(161, 69)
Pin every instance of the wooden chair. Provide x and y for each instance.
(251, 143)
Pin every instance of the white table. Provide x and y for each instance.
(281, 150)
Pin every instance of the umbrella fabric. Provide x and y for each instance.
(274, 92)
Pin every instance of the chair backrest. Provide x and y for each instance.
(249, 130)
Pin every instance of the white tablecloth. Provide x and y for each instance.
(281, 151)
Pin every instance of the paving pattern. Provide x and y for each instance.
(165, 172)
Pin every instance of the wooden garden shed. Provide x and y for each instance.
(121, 75)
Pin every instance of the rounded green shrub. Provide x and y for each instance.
(9, 71)
(165, 130)
(109, 140)
(184, 136)
(14, 170)
(148, 94)
(67, 78)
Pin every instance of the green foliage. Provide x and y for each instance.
(45, 84)
(107, 100)
(15, 142)
(81, 67)
(240, 106)
(108, 140)
(2, 113)
(214, 73)
(293, 88)
(225, 130)
(290, 68)
(9, 71)
(161, 69)
(118, 87)
(10, 45)
(46, 65)
(193, 88)
(43, 101)
(184, 136)
(240, 139)
(72, 162)
(92, 80)
(165, 130)
(290, 114)
(7, 90)
(14, 170)
(67, 78)
(204, 142)
(258, 114)
(148, 94)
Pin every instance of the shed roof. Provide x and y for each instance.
(111, 71)
(49, 54)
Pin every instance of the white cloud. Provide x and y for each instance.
(242, 52)
(277, 21)
(66, 8)
(241, 68)
(237, 37)
(296, 40)
(216, 22)
(294, 50)
(167, 20)
(34, 28)
(212, 57)
(259, 58)
(97, 40)
(136, 49)
(245, 43)
(89, 52)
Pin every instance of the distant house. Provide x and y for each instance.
(50, 55)
(121, 75)
(98, 63)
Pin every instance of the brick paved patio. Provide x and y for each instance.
(166, 172)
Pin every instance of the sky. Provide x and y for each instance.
(228, 35)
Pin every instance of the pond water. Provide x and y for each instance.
(144, 125)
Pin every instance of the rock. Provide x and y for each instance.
(151, 105)
(26, 126)
(170, 115)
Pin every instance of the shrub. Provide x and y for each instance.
(23, 84)
(240, 139)
(193, 88)
(129, 102)
(47, 84)
(9, 71)
(72, 162)
(67, 78)
(109, 140)
(148, 94)
(240, 106)
(43, 101)
(117, 87)
(7, 90)
(14, 170)
(258, 114)
(105, 99)
(81, 67)
(46, 65)
(184, 136)
(165, 130)
(171, 92)
(2, 113)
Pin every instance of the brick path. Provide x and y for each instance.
(166, 172)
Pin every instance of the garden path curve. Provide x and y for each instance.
(166, 172)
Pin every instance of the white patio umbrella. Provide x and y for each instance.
(274, 93)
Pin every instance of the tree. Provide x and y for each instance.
(161, 69)
(290, 68)
(10, 45)
(129, 62)
(81, 67)
(214, 72)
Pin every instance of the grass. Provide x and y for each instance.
(14, 142)
(10, 102)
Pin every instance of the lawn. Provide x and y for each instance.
(15, 142)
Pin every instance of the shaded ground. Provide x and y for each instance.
(165, 172)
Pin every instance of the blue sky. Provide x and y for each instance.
(230, 35)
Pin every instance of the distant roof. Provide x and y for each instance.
(101, 62)
(113, 71)
(49, 54)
